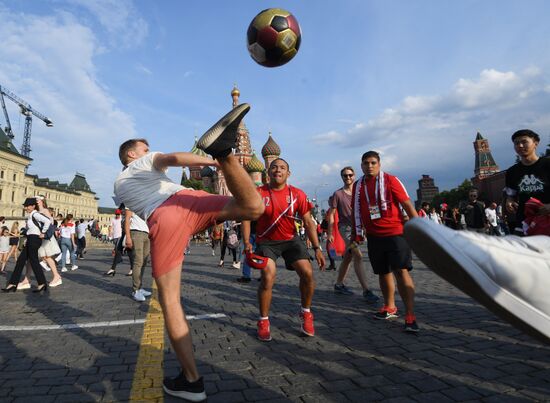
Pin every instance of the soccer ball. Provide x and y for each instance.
(273, 37)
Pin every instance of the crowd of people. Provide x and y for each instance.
(157, 218)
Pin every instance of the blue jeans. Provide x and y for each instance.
(247, 272)
(66, 245)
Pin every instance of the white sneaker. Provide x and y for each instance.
(74, 267)
(64, 270)
(138, 296)
(145, 293)
(236, 265)
(213, 253)
(509, 275)
(45, 266)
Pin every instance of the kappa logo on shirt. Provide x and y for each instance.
(530, 184)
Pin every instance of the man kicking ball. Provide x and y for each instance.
(174, 213)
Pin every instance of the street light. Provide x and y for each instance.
(316, 205)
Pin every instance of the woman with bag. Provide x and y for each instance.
(34, 235)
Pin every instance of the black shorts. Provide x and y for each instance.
(291, 250)
(14, 240)
(388, 254)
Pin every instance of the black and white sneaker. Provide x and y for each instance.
(182, 388)
(220, 138)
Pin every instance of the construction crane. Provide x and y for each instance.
(25, 110)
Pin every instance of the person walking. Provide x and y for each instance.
(14, 241)
(341, 202)
(81, 238)
(136, 241)
(34, 234)
(49, 249)
(67, 241)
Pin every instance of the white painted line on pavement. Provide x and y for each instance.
(100, 324)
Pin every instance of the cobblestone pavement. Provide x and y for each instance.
(463, 353)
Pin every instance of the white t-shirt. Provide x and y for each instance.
(491, 216)
(137, 224)
(142, 187)
(4, 244)
(67, 230)
(81, 229)
(116, 227)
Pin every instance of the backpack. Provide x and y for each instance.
(232, 239)
(49, 232)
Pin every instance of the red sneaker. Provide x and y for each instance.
(264, 332)
(307, 323)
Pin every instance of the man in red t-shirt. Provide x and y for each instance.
(276, 236)
(377, 201)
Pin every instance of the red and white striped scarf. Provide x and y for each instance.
(382, 197)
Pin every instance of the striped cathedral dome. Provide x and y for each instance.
(254, 165)
(197, 151)
(271, 148)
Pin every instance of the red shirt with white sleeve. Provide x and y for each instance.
(277, 223)
(392, 224)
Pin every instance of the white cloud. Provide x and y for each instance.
(142, 69)
(49, 62)
(119, 18)
(433, 134)
(331, 137)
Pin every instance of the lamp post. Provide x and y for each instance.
(316, 205)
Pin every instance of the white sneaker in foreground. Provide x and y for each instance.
(509, 275)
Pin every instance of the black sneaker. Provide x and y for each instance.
(182, 388)
(342, 289)
(220, 138)
(411, 327)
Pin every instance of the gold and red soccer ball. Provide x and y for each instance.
(273, 37)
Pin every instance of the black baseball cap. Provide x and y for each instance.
(29, 201)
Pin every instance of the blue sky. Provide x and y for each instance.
(415, 80)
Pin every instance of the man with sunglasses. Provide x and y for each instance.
(341, 202)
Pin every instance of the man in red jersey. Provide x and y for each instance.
(377, 201)
(276, 236)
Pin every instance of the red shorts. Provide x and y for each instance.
(175, 221)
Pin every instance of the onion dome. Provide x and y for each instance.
(271, 148)
(197, 151)
(235, 91)
(207, 172)
(254, 165)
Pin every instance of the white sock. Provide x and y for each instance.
(264, 317)
(306, 309)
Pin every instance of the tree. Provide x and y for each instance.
(192, 183)
(454, 196)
